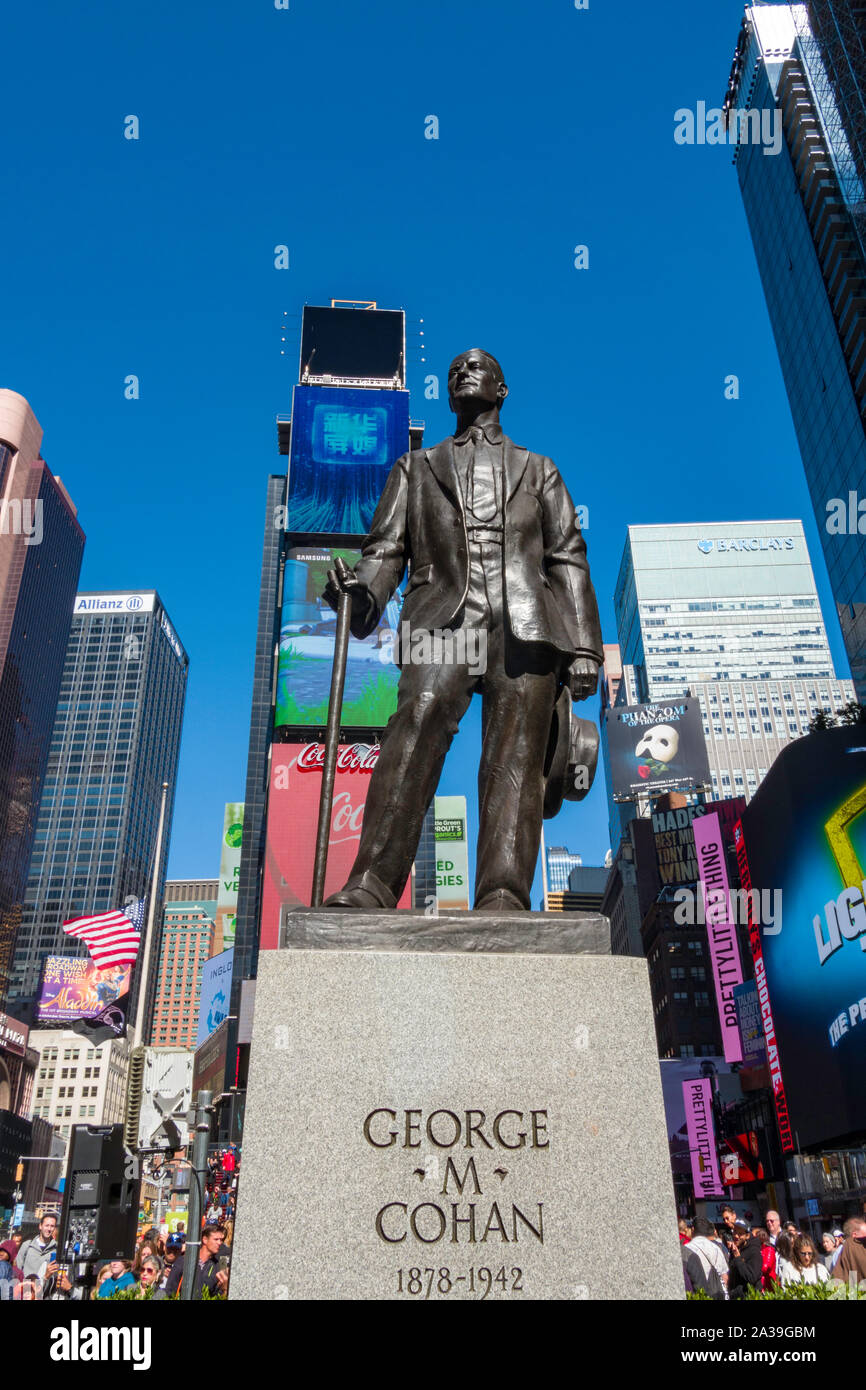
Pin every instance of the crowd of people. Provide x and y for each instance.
(725, 1261)
(31, 1269)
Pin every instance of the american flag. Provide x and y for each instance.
(112, 938)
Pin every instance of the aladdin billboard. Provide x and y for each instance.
(344, 442)
(73, 987)
(804, 835)
(292, 819)
(306, 653)
(656, 748)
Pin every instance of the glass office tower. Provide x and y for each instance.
(729, 612)
(41, 545)
(560, 862)
(261, 736)
(116, 740)
(805, 207)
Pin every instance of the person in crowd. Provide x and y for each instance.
(792, 1230)
(150, 1277)
(29, 1289)
(119, 1277)
(784, 1254)
(711, 1257)
(143, 1250)
(838, 1242)
(746, 1265)
(804, 1266)
(104, 1272)
(11, 1247)
(852, 1252)
(827, 1254)
(726, 1230)
(773, 1223)
(172, 1255)
(7, 1274)
(214, 1212)
(685, 1230)
(768, 1257)
(41, 1250)
(208, 1274)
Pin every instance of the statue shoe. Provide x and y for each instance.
(355, 899)
(500, 900)
(366, 894)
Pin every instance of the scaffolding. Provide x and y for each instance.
(832, 37)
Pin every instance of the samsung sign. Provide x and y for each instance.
(747, 543)
(113, 603)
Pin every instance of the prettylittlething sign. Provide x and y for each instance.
(722, 931)
(698, 1100)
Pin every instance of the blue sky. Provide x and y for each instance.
(305, 127)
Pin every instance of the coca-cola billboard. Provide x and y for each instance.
(293, 812)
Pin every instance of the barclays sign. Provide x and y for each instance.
(747, 543)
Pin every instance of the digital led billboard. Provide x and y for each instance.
(347, 343)
(803, 835)
(656, 748)
(306, 651)
(292, 819)
(344, 442)
(230, 865)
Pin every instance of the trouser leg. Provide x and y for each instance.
(431, 701)
(519, 691)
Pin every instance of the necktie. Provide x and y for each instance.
(482, 479)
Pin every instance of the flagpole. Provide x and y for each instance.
(148, 931)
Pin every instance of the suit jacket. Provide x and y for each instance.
(421, 520)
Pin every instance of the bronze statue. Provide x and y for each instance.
(494, 551)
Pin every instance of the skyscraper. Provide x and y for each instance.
(116, 740)
(806, 208)
(560, 862)
(728, 611)
(189, 917)
(41, 545)
(261, 736)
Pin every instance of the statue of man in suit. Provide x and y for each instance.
(491, 539)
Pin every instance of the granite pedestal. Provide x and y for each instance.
(461, 1107)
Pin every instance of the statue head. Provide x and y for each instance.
(475, 379)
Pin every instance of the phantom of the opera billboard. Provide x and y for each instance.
(344, 442)
(804, 837)
(306, 653)
(656, 748)
(293, 812)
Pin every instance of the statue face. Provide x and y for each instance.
(473, 377)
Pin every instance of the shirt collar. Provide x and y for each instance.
(492, 433)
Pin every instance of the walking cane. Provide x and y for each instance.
(332, 744)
